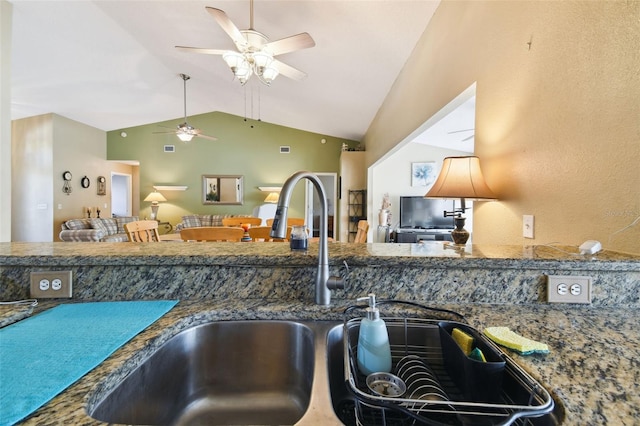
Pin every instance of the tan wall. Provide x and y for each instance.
(557, 113)
(43, 148)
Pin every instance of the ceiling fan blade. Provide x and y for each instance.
(289, 71)
(211, 138)
(290, 44)
(228, 26)
(201, 50)
(164, 133)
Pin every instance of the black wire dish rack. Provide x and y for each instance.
(443, 385)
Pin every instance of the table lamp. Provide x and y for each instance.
(155, 197)
(460, 177)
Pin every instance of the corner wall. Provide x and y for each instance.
(557, 108)
(44, 147)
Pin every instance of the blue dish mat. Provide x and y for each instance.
(43, 355)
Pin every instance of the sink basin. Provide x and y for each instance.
(343, 402)
(235, 372)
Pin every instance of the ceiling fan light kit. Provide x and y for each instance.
(245, 65)
(255, 54)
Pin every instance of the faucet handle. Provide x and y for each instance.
(334, 283)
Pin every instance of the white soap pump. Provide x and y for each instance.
(374, 352)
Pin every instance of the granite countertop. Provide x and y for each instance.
(439, 254)
(592, 368)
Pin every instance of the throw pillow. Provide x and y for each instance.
(99, 225)
(76, 224)
(110, 225)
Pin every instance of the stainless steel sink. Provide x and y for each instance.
(236, 372)
(250, 372)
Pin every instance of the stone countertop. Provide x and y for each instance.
(592, 367)
(436, 254)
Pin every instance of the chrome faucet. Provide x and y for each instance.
(324, 282)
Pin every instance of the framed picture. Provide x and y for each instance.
(222, 189)
(424, 174)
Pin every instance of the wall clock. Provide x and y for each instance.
(102, 185)
(85, 182)
(66, 188)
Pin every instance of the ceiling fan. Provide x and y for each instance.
(255, 55)
(464, 130)
(184, 131)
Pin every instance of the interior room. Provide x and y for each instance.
(449, 185)
(506, 78)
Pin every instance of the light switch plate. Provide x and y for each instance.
(527, 226)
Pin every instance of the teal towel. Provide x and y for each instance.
(43, 355)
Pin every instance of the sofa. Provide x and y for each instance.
(199, 220)
(109, 229)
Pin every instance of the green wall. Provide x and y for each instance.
(249, 148)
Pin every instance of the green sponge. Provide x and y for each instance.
(506, 337)
(477, 354)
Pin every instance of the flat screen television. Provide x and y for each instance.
(424, 213)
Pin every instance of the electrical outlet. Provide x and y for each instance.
(51, 284)
(568, 289)
(527, 226)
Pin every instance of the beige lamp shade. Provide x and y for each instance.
(272, 197)
(461, 177)
(155, 197)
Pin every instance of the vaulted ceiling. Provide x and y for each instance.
(113, 64)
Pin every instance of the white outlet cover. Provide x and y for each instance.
(569, 289)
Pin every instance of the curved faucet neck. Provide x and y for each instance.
(323, 294)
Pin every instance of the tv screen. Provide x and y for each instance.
(423, 213)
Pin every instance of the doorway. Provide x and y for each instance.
(121, 190)
(449, 132)
(312, 204)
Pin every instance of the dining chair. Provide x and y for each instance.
(262, 233)
(141, 231)
(237, 221)
(291, 221)
(361, 234)
(212, 233)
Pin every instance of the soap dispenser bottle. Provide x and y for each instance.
(374, 352)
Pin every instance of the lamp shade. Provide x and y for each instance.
(272, 197)
(461, 177)
(155, 197)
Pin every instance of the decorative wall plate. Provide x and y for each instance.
(85, 182)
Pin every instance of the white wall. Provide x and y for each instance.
(393, 176)
(32, 169)
(6, 11)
